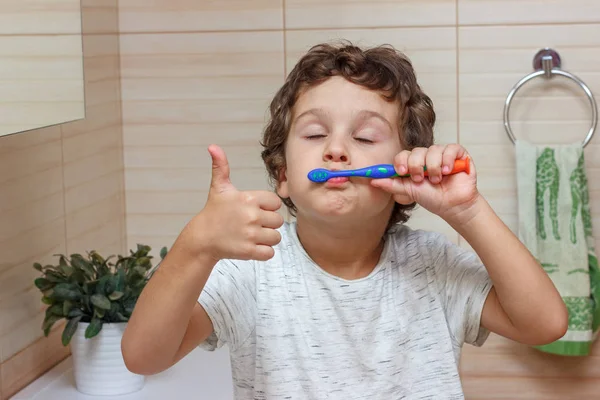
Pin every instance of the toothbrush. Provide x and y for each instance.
(378, 171)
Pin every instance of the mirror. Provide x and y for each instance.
(41, 64)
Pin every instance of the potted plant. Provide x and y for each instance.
(96, 297)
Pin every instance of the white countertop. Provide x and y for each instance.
(200, 375)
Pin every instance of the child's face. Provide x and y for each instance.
(339, 125)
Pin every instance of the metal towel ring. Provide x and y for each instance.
(547, 63)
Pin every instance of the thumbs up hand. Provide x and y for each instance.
(236, 224)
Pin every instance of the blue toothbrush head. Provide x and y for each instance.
(319, 175)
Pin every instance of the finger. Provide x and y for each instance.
(452, 153)
(267, 237)
(270, 219)
(433, 162)
(263, 253)
(268, 201)
(401, 162)
(397, 187)
(390, 185)
(416, 162)
(220, 169)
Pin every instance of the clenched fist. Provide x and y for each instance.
(236, 224)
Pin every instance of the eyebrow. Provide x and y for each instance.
(317, 112)
(362, 114)
(366, 114)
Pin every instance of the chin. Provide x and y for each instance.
(342, 205)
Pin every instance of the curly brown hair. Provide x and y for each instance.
(380, 68)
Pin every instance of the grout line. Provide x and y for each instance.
(457, 61)
(359, 28)
(123, 187)
(64, 187)
(284, 40)
(457, 54)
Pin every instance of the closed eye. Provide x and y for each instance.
(363, 140)
(315, 137)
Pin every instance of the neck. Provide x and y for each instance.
(348, 250)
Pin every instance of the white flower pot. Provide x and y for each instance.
(98, 364)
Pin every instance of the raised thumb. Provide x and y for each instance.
(220, 169)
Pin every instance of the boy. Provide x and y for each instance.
(347, 302)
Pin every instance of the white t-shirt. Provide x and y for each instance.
(295, 331)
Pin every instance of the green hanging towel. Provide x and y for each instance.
(556, 226)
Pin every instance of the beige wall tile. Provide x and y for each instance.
(100, 16)
(97, 117)
(19, 299)
(188, 179)
(363, 13)
(40, 17)
(188, 15)
(433, 53)
(527, 11)
(86, 144)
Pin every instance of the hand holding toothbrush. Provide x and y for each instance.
(441, 179)
(452, 196)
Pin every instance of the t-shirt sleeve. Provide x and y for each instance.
(229, 299)
(464, 285)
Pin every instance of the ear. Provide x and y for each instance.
(282, 184)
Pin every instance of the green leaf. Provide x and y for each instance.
(143, 250)
(57, 309)
(66, 269)
(93, 328)
(101, 263)
(140, 271)
(99, 313)
(66, 307)
(115, 295)
(43, 284)
(100, 301)
(75, 312)
(97, 258)
(70, 329)
(144, 261)
(55, 277)
(47, 300)
(66, 291)
(49, 322)
(111, 284)
(129, 304)
(86, 304)
(78, 276)
(101, 287)
(120, 280)
(121, 317)
(38, 266)
(82, 264)
(163, 252)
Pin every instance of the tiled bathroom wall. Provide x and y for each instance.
(61, 191)
(195, 73)
(199, 72)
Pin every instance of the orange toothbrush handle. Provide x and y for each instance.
(459, 166)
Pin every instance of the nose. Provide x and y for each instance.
(335, 151)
